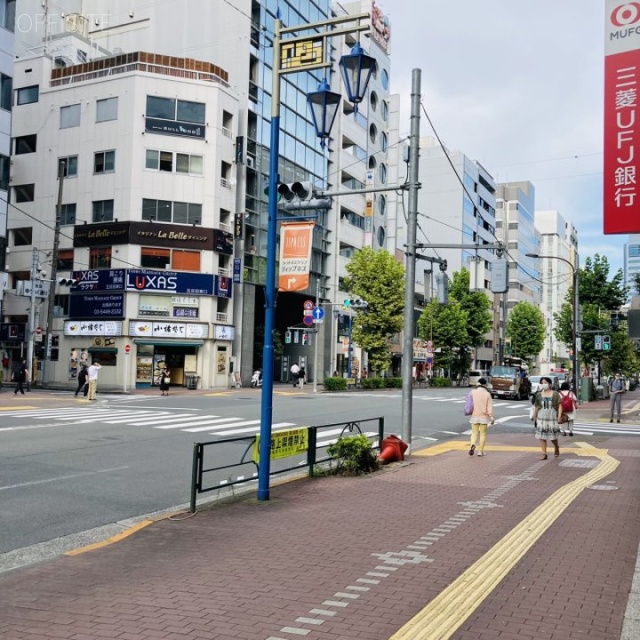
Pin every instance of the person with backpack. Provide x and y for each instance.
(569, 404)
(480, 407)
(20, 376)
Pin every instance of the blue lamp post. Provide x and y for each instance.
(296, 59)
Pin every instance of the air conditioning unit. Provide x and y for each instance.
(251, 163)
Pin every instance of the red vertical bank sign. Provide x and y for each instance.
(622, 118)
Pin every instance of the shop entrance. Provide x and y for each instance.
(152, 359)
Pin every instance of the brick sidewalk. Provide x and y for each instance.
(358, 558)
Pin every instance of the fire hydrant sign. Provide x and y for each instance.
(284, 444)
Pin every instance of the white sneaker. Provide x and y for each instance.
(480, 453)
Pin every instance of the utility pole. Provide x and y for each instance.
(54, 273)
(35, 266)
(410, 277)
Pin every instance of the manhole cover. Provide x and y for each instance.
(603, 487)
(580, 463)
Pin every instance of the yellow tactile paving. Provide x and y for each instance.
(440, 619)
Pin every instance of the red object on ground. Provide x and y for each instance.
(392, 449)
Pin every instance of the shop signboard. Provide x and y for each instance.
(169, 282)
(93, 328)
(147, 329)
(92, 305)
(99, 280)
(12, 332)
(223, 332)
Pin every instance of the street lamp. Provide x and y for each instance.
(292, 56)
(575, 306)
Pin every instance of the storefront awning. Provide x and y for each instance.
(159, 342)
(102, 350)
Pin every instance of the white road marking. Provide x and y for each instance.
(69, 477)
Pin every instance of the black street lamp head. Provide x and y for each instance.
(323, 105)
(356, 68)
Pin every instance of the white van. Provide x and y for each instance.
(475, 374)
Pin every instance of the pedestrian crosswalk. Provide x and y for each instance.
(187, 421)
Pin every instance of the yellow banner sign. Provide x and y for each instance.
(284, 443)
(302, 54)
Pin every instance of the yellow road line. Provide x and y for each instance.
(120, 536)
(19, 407)
(440, 619)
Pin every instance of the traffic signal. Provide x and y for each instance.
(606, 343)
(287, 337)
(355, 303)
(299, 196)
(305, 339)
(68, 282)
(442, 287)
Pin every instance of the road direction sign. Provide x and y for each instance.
(318, 313)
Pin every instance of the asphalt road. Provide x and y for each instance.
(82, 466)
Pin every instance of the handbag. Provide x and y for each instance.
(468, 407)
(563, 418)
(166, 380)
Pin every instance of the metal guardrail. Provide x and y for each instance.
(205, 478)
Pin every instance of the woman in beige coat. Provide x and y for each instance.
(481, 417)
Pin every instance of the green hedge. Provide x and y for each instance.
(440, 382)
(335, 384)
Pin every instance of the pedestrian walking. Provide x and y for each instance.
(92, 374)
(295, 370)
(482, 416)
(302, 374)
(165, 381)
(618, 387)
(547, 411)
(82, 381)
(569, 404)
(21, 375)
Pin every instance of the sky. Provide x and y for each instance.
(518, 86)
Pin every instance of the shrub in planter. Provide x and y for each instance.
(354, 455)
(393, 383)
(372, 383)
(335, 384)
(440, 382)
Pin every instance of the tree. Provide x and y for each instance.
(525, 327)
(598, 296)
(448, 325)
(475, 303)
(378, 278)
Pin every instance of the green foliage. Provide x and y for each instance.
(393, 383)
(354, 455)
(372, 383)
(622, 356)
(378, 278)
(525, 326)
(598, 296)
(335, 384)
(448, 326)
(476, 304)
(440, 382)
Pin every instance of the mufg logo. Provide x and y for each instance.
(626, 14)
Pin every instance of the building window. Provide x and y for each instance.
(176, 110)
(100, 258)
(70, 166)
(104, 162)
(8, 14)
(165, 161)
(27, 95)
(176, 259)
(383, 141)
(65, 260)
(106, 109)
(6, 91)
(384, 79)
(5, 163)
(152, 258)
(24, 192)
(68, 214)
(25, 144)
(70, 116)
(22, 237)
(385, 110)
(61, 305)
(102, 210)
(166, 211)
(373, 133)
(382, 172)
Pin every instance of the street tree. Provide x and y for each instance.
(447, 326)
(525, 328)
(376, 277)
(475, 303)
(598, 297)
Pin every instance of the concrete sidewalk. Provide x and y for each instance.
(445, 545)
